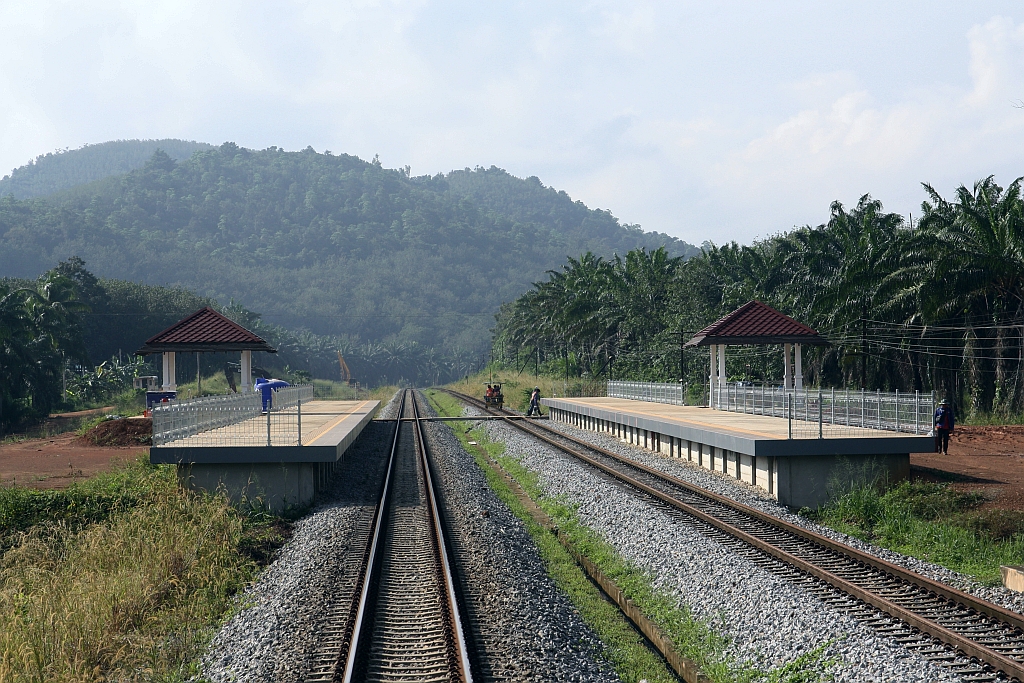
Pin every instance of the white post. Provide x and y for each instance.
(711, 377)
(722, 377)
(246, 372)
(785, 365)
(170, 383)
(798, 366)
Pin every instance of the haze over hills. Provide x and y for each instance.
(330, 243)
(55, 171)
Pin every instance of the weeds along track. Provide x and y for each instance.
(973, 638)
(406, 623)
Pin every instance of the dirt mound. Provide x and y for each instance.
(133, 432)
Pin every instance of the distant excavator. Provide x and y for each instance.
(346, 374)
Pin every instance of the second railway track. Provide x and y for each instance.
(976, 639)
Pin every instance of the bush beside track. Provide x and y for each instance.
(120, 577)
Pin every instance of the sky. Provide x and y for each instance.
(707, 121)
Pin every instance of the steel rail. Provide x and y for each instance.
(357, 642)
(968, 647)
(372, 555)
(454, 616)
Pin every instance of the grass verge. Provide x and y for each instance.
(627, 651)
(121, 577)
(933, 522)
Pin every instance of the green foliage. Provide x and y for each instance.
(121, 577)
(330, 244)
(935, 306)
(39, 334)
(64, 169)
(109, 378)
(934, 522)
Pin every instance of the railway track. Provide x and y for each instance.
(406, 624)
(976, 639)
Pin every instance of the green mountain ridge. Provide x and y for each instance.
(329, 243)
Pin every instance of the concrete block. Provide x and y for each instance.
(1013, 577)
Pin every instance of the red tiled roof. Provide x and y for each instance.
(205, 330)
(756, 323)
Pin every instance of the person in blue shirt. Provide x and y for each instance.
(943, 423)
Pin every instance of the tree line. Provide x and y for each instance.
(328, 242)
(67, 340)
(931, 305)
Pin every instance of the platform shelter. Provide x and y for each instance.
(803, 446)
(205, 331)
(756, 324)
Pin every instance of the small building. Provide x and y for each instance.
(205, 331)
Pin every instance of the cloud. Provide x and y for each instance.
(720, 122)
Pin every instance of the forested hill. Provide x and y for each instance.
(56, 171)
(331, 243)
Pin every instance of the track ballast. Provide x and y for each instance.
(975, 639)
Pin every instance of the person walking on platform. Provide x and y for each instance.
(534, 402)
(943, 423)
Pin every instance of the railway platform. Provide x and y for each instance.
(280, 458)
(757, 449)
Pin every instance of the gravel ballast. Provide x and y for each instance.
(769, 620)
(761, 500)
(527, 628)
(530, 630)
(273, 636)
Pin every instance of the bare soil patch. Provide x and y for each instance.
(987, 459)
(130, 432)
(58, 461)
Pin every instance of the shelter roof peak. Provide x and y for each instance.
(756, 323)
(205, 330)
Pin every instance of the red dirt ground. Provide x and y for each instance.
(988, 459)
(57, 461)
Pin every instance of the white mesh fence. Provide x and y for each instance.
(233, 420)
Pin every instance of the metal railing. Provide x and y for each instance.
(655, 392)
(811, 413)
(233, 420)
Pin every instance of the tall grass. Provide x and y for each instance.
(121, 578)
(933, 522)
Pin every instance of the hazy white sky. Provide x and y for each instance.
(709, 121)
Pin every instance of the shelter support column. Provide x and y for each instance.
(798, 366)
(721, 371)
(712, 380)
(169, 374)
(246, 371)
(785, 365)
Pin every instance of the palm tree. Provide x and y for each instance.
(978, 269)
(846, 263)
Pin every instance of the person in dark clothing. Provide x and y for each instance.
(943, 423)
(534, 402)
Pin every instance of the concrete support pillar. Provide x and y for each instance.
(246, 372)
(169, 374)
(785, 364)
(798, 366)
